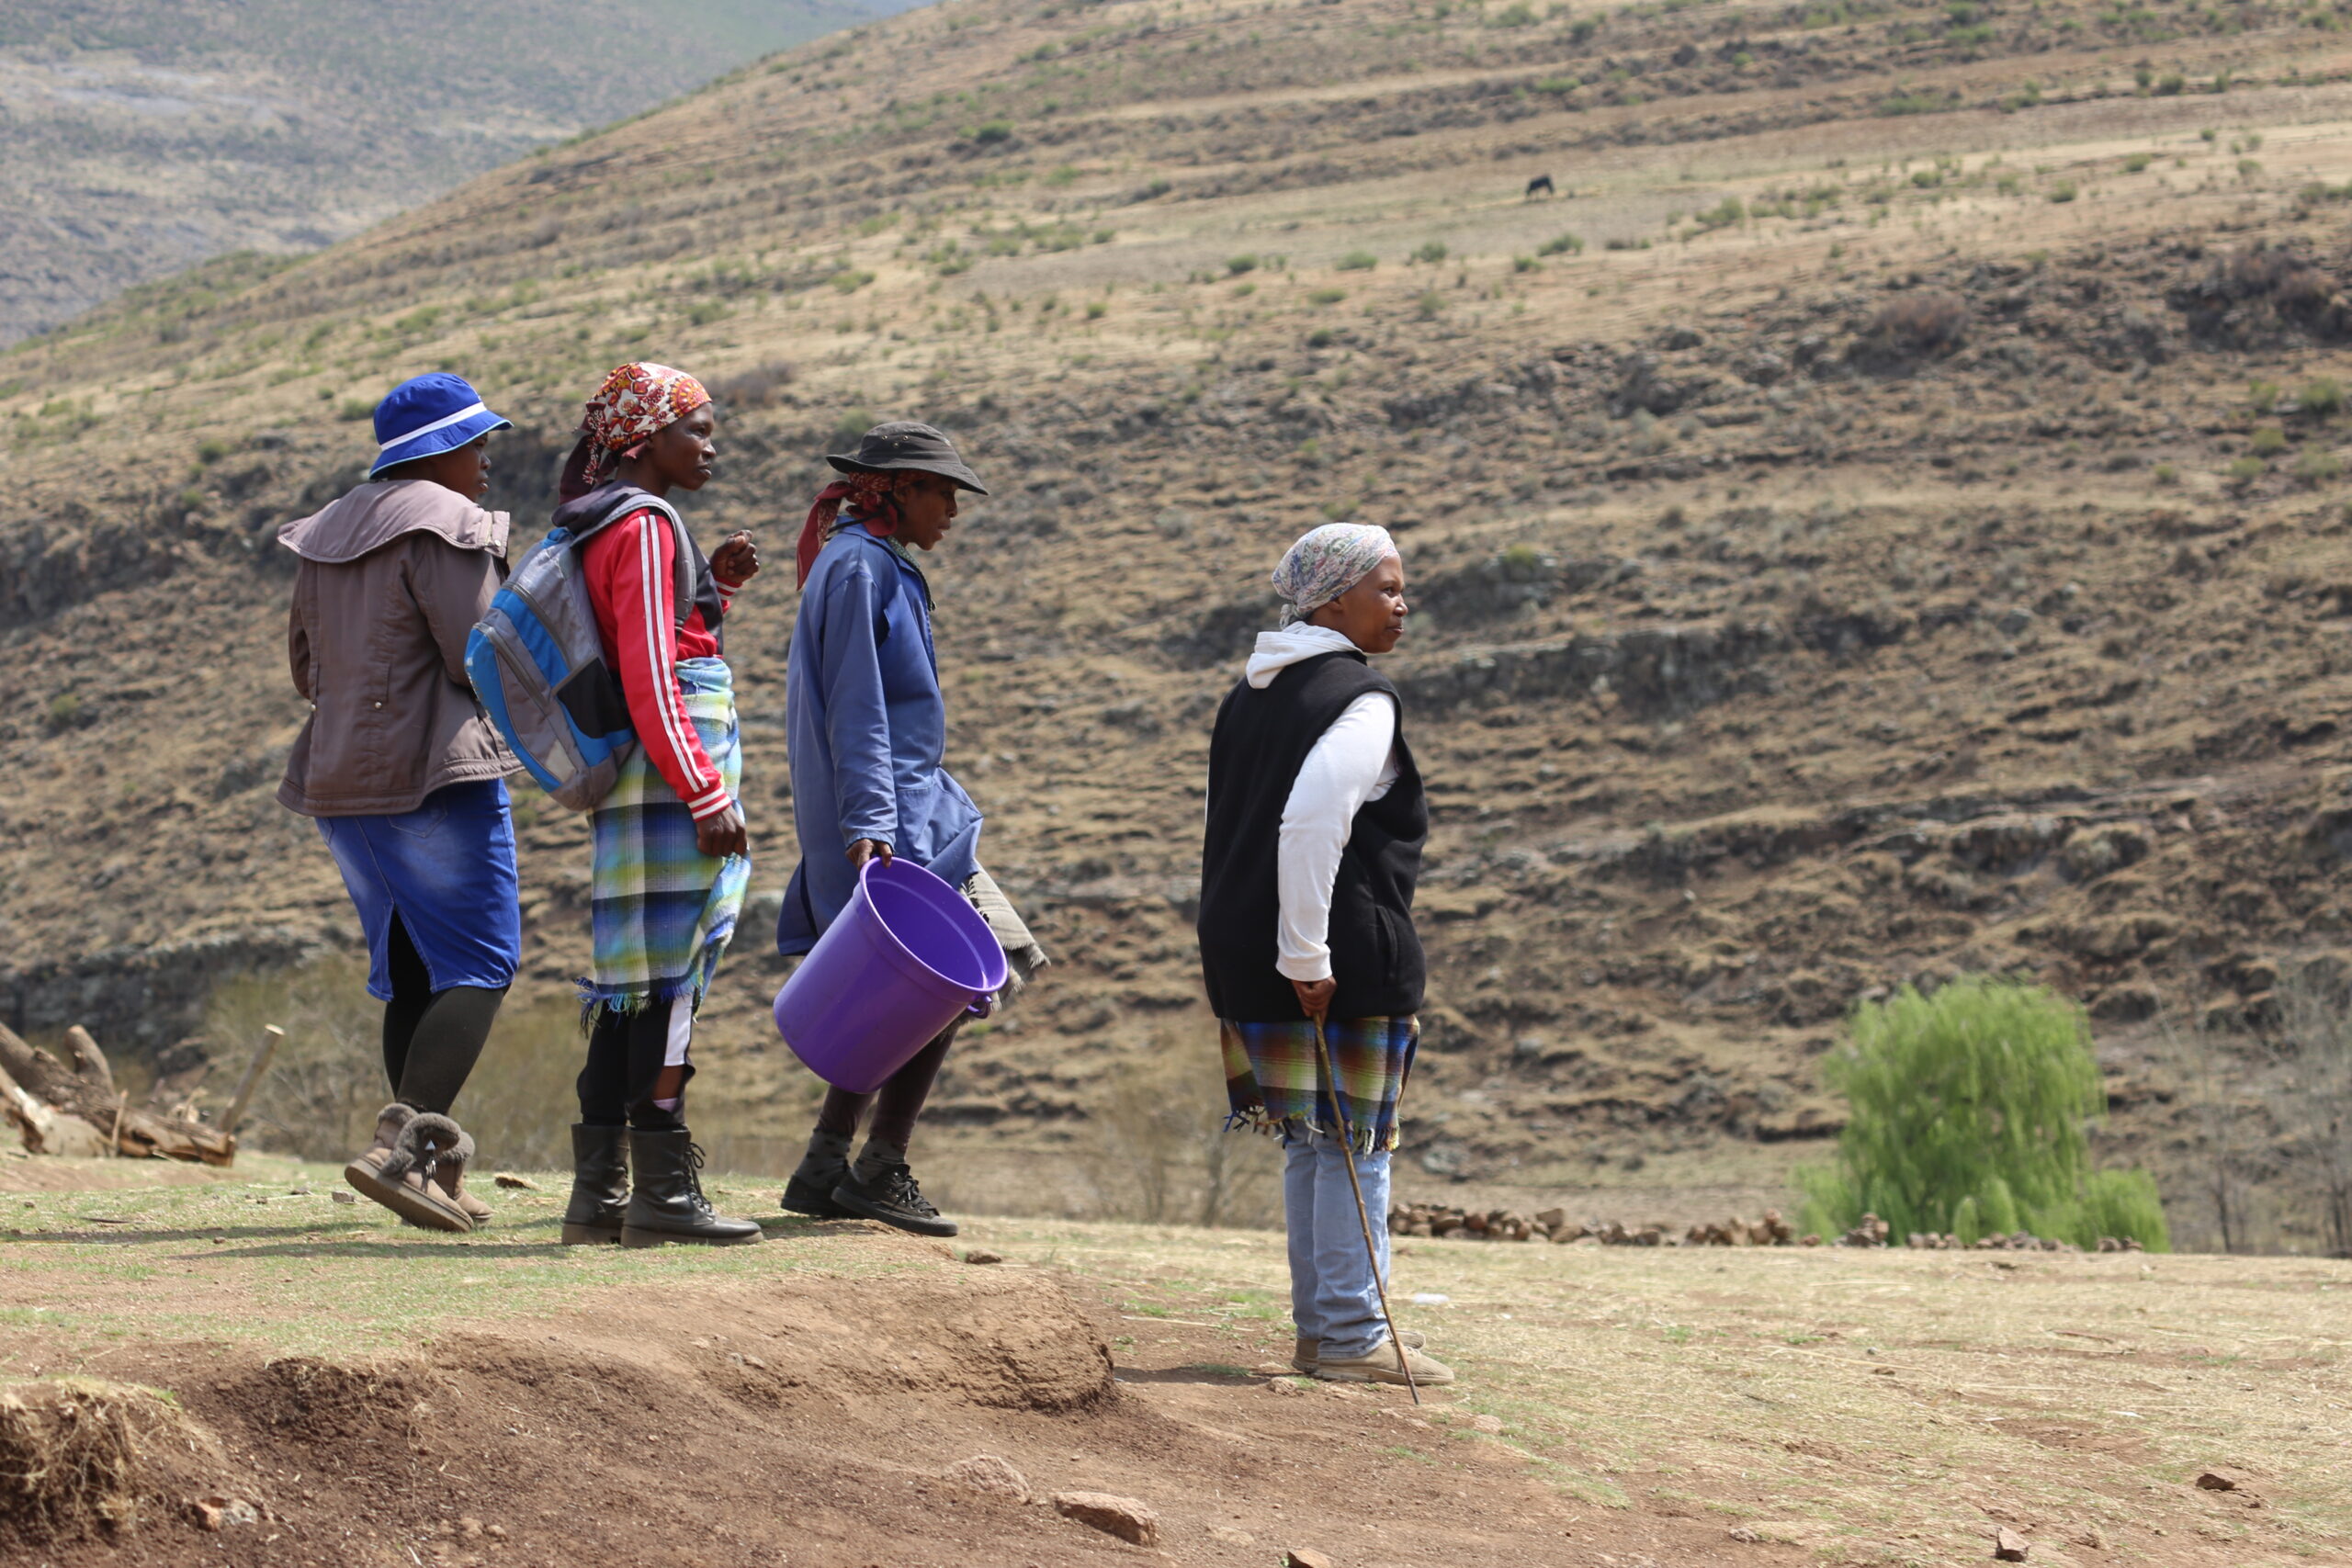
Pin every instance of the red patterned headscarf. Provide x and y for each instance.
(637, 400)
(874, 499)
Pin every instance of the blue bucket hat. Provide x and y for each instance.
(427, 415)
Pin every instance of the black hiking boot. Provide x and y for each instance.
(895, 1200)
(599, 1185)
(813, 1196)
(665, 1200)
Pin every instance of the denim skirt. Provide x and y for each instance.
(446, 871)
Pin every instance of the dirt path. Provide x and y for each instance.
(380, 1397)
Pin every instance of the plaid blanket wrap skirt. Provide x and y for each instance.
(660, 911)
(1274, 1082)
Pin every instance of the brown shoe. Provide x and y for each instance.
(1382, 1366)
(1303, 1350)
(397, 1171)
(451, 1175)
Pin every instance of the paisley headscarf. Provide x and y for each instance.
(1326, 563)
(636, 402)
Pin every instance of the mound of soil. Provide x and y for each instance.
(906, 1410)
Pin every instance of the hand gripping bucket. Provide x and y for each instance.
(906, 955)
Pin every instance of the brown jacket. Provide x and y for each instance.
(393, 576)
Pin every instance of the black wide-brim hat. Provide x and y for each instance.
(906, 445)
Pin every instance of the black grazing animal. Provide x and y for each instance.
(1540, 183)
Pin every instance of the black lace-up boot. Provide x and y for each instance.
(599, 1185)
(665, 1200)
(891, 1196)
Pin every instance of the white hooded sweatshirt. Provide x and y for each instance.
(1352, 765)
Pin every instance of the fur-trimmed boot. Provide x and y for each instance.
(665, 1200)
(398, 1169)
(599, 1185)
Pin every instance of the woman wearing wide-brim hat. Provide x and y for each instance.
(404, 775)
(868, 727)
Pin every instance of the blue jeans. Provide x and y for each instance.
(1333, 1297)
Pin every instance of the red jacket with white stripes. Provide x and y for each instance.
(632, 584)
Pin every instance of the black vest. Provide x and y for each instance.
(1261, 742)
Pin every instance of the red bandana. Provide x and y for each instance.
(878, 508)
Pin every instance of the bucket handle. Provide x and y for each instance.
(983, 1006)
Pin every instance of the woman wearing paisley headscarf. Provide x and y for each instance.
(672, 856)
(868, 734)
(1314, 824)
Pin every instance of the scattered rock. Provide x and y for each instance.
(1227, 1535)
(1742, 1533)
(218, 1513)
(1123, 1516)
(508, 1179)
(1306, 1557)
(1486, 1423)
(344, 1197)
(2010, 1547)
(987, 1474)
(2214, 1480)
(982, 1255)
(1286, 1385)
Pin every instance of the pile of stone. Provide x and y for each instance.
(1770, 1231)
(1493, 1224)
(1553, 1226)
(1872, 1232)
(2023, 1241)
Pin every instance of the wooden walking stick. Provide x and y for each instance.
(1372, 1252)
(270, 1035)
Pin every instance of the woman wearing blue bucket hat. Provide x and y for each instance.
(404, 775)
(867, 728)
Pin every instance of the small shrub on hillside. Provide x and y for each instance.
(207, 452)
(1525, 264)
(1967, 1116)
(2138, 162)
(2260, 396)
(2242, 473)
(2267, 442)
(993, 132)
(1357, 261)
(850, 279)
(1916, 325)
(2165, 474)
(353, 409)
(2322, 399)
(1430, 304)
(1561, 245)
(1432, 252)
(1236, 266)
(2318, 466)
(1327, 296)
(2063, 191)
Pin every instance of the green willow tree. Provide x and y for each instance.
(1967, 1115)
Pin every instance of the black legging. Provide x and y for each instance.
(432, 1039)
(896, 1103)
(627, 1052)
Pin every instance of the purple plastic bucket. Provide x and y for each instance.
(906, 955)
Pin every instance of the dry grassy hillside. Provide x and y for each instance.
(1880, 519)
(146, 135)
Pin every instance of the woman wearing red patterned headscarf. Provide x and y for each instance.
(672, 858)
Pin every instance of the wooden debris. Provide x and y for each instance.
(60, 1110)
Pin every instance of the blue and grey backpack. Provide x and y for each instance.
(537, 661)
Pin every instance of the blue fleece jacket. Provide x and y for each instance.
(868, 731)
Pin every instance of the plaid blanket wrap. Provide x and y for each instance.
(1272, 1079)
(660, 911)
